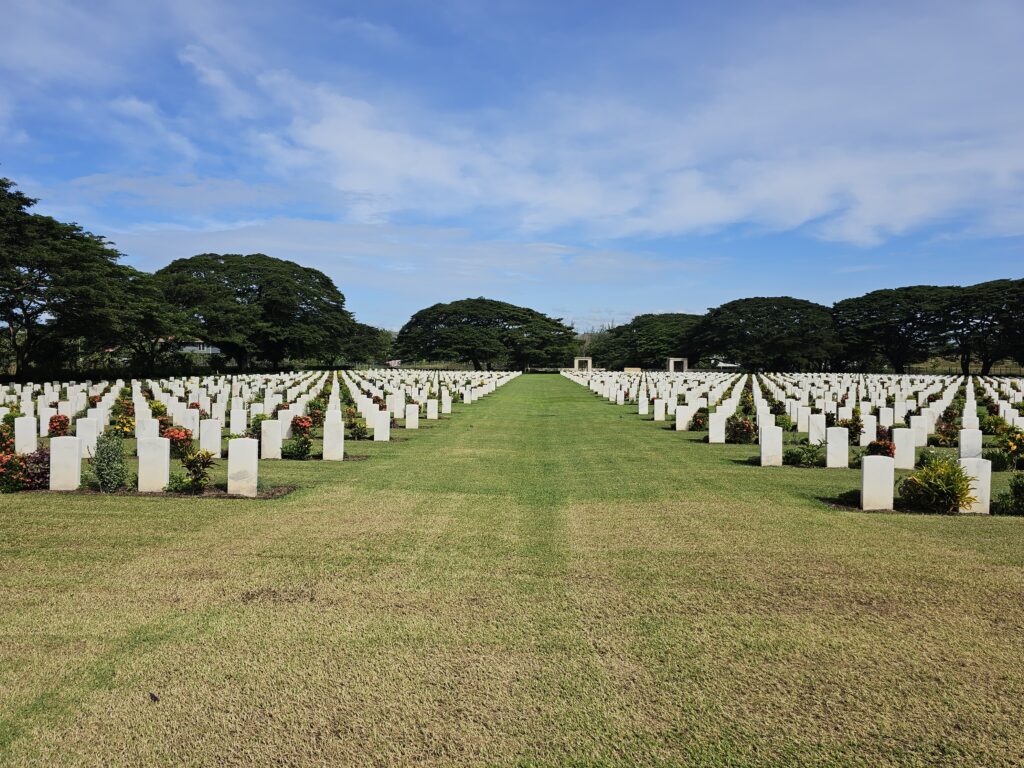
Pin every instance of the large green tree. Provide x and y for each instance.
(486, 333)
(258, 306)
(777, 333)
(903, 325)
(977, 321)
(57, 282)
(647, 341)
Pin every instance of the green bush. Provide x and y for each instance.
(108, 463)
(1012, 502)
(929, 456)
(255, 428)
(178, 482)
(358, 431)
(804, 455)
(1001, 460)
(297, 448)
(783, 420)
(940, 486)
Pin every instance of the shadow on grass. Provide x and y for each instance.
(750, 461)
(848, 500)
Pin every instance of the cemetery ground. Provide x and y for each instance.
(544, 579)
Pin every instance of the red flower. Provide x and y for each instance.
(58, 426)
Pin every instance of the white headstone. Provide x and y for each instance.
(239, 422)
(816, 429)
(877, 476)
(903, 439)
(382, 427)
(209, 436)
(65, 463)
(412, 416)
(771, 446)
(87, 430)
(970, 443)
(270, 439)
(334, 437)
(869, 430)
(431, 410)
(980, 472)
(716, 427)
(25, 436)
(243, 466)
(837, 447)
(154, 464)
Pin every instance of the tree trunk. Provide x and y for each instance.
(986, 366)
(965, 363)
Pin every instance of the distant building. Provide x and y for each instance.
(199, 348)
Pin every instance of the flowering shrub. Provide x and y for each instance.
(854, 426)
(740, 430)
(59, 426)
(37, 470)
(946, 435)
(123, 407)
(1013, 443)
(357, 430)
(124, 426)
(302, 425)
(881, 448)
(157, 408)
(181, 440)
(6, 439)
(699, 420)
(94, 400)
(12, 472)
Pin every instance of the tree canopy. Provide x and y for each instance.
(259, 306)
(778, 333)
(647, 341)
(55, 280)
(486, 333)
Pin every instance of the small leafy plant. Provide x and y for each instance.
(297, 448)
(108, 463)
(1012, 502)
(941, 486)
(804, 455)
(197, 465)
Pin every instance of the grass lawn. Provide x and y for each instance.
(544, 579)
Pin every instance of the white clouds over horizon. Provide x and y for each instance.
(858, 125)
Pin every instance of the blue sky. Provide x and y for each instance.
(593, 160)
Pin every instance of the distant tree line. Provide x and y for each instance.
(69, 307)
(887, 329)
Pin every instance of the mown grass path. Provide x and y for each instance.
(544, 579)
